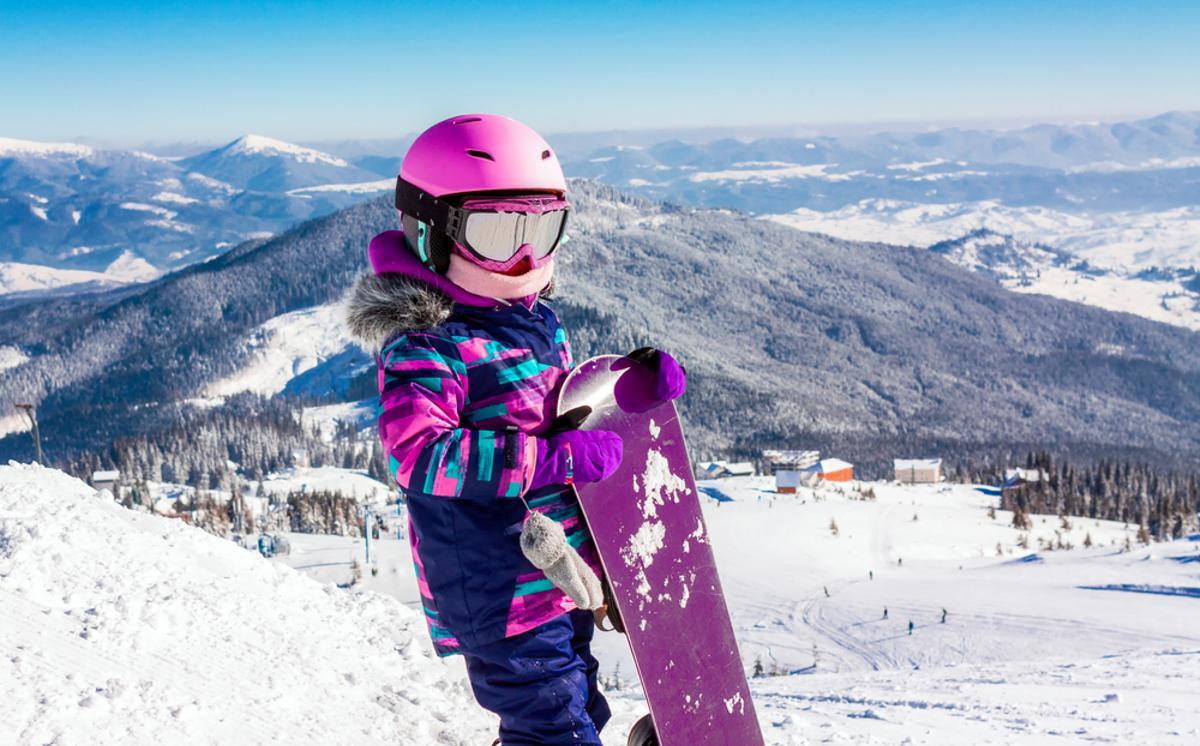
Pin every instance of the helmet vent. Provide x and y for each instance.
(545, 154)
(481, 154)
(468, 120)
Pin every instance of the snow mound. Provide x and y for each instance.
(121, 627)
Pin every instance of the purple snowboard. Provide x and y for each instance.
(653, 543)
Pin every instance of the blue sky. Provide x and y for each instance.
(127, 73)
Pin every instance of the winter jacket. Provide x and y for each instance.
(465, 384)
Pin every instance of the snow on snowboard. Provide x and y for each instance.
(650, 533)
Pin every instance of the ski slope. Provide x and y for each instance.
(1073, 646)
(121, 627)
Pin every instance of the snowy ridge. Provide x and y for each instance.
(10, 147)
(364, 187)
(121, 628)
(24, 278)
(1135, 240)
(17, 278)
(772, 172)
(1138, 263)
(260, 145)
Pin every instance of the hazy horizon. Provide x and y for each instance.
(699, 133)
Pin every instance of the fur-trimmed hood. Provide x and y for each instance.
(381, 307)
(401, 295)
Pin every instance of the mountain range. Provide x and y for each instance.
(72, 207)
(790, 339)
(1122, 199)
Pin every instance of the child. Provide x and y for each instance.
(470, 358)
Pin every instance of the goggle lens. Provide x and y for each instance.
(498, 235)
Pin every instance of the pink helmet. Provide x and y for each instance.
(482, 153)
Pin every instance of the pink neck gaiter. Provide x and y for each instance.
(475, 279)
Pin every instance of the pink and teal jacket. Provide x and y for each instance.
(465, 385)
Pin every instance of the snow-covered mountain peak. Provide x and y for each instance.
(10, 147)
(260, 145)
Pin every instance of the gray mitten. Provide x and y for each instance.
(544, 544)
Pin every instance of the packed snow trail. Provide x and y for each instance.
(125, 628)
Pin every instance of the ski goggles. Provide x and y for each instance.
(493, 228)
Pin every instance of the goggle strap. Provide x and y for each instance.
(424, 207)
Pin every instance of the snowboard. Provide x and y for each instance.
(649, 531)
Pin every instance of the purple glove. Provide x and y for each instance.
(576, 456)
(671, 378)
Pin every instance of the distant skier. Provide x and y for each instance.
(266, 545)
(900, 562)
(826, 588)
(871, 574)
(885, 612)
(910, 628)
(943, 616)
(470, 359)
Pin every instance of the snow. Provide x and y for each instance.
(658, 484)
(142, 207)
(1129, 240)
(130, 267)
(259, 145)
(833, 464)
(916, 165)
(1167, 302)
(351, 482)
(283, 348)
(1151, 164)
(1120, 245)
(214, 184)
(773, 171)
(39, 212)
(11, 357)
(127, 627)
(33, 278)
(173, 198)
(15, 148)
(362, 187)
(121, 627)
(1027, 651)
(325, 419)
(22, 278)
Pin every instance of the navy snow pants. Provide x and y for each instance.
(542, 684)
